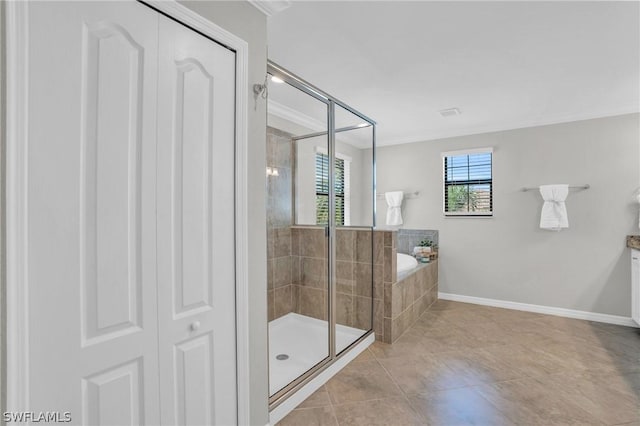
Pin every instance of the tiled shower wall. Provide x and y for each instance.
(355, 271)
(279, 220)
(297, 263)
(298, 271)
(297, 255)
(279, 265)
(358, 264)
(309, 271)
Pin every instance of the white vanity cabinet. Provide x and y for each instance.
(635, 285)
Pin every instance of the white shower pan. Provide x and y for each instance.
(298, 342)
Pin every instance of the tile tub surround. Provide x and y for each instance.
(396, 304)
(633, 241)
(407, 299)
(409, 238)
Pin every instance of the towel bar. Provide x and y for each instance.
(407, 195)
(586, 186)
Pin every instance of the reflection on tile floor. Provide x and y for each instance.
(463, 364)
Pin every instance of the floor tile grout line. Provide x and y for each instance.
(369, 400)
(330, 406)
(333, 408)
(404, 397)
(474, 389)
(390, 377)
(403, 393)
(419, 414)
(571, 340)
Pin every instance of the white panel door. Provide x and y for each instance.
(91, 202)
(196, 262)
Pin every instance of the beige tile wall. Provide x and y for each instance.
(279, 270)
(355, 272)
(309, 271)
(358, 265)
(407, 299)
(297, 267)
(280, 295)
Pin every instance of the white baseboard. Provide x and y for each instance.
(540, 309)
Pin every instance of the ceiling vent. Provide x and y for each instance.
(449, 112)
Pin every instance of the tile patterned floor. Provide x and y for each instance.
(464, 364)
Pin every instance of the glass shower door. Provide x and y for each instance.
(297, 237)
(357, 264)
(323, 257)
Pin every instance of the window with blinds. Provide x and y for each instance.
(341, 184)
(468, 183)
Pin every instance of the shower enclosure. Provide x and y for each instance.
(320, 219)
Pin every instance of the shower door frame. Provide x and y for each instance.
(288, 77)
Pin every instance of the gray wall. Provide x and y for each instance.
(246, 22)
(507, 257)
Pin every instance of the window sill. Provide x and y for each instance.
(467, 215)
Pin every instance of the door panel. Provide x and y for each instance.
(194, 367)
(114, 396)
(110, 183)
(91, 197)
(131, 260)
(192, 188)
(196, 263)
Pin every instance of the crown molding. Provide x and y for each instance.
(270, 7)
(294, 116)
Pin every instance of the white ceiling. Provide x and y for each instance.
(505, 65)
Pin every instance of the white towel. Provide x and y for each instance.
(394, 212)
(554, 212)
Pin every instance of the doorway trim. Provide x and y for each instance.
(16, 258)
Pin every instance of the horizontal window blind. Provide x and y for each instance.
(322, 189)
(468, 184)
